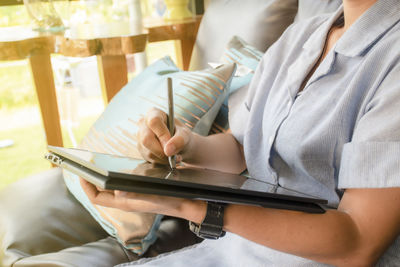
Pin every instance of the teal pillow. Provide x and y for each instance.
(198, 96)
(246, 57)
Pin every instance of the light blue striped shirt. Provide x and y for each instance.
(342, 131)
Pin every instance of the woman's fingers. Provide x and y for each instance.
(100, 197)
(130, 201)
(149, 156)
(178, 142)
(149, 145)
(89, 188)
(156, 120)
(154, 139)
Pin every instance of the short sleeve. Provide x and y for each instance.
(372, 158)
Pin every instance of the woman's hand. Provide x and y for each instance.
(193, 210)
(221, 152)
(155, 143)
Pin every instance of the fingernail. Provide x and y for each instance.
(171, 149)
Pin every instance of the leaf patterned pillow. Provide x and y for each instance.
(198, 96)
(246, 57)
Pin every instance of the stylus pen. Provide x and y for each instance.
(171, 123)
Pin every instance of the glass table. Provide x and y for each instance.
(18, 43)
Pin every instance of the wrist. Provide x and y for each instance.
(212, 225)
(193, 210)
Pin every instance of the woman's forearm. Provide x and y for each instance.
(330, 238)
(219, 152)
(356, 234)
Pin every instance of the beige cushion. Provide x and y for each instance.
(258, 22)
(39, 215)
(106, 252)
(41, 224)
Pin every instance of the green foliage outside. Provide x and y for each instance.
(91, 11)
(18, 15)
(13, 16)
(16, 88)
(26, 156)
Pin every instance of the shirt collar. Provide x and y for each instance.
(318, 38)
(376, 21)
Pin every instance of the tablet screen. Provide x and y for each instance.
(129, 168)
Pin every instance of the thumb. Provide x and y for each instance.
(178, 142)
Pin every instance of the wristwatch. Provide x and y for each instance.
(212, 225)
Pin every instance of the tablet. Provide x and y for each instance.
(133, 175)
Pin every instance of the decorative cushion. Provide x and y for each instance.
(39, 215)
(259, 22)
(246, 57)
(42, 224)
(198, 96)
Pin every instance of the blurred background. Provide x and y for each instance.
(79, 97)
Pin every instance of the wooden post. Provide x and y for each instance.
(184, 32)
(183, 50)
(113, 75)
(42, 74)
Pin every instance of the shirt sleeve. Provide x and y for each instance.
(372, 158)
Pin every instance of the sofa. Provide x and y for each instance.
(42, 224)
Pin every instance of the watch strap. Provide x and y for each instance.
(212, 225)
